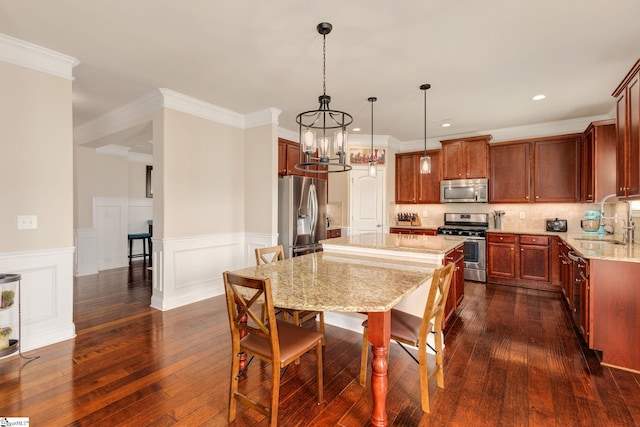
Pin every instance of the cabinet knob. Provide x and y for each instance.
(526, 197)
(537, 197)
(521, 250)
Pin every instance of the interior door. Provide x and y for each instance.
(367, 201)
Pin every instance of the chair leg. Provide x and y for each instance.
(322, 325)
(130, 251)
(275, 392)
(150, 252)
(235, 369)
(296, 321)
(320, 373)
(363, 356)
(424, 377)
(439, 361)
(144, 250)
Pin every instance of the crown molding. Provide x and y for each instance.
(119, 118)
(263, 117)
(195, 107)
(38, 58)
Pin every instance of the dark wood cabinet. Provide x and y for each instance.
(556, 171)
(599, 161)
(510, 173)
(534, 257)
(566, 274)
(429, 183)
(501, 256)
(540, 170)
(465, 157)
(406, 178)
(333, 233)
(520, 260)
(456, 291)
(627, 96)
(413, 187)
(288, 158)
(407, 230)
(581, 298)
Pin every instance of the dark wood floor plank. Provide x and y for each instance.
(511, 358)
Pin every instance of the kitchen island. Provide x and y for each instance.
(431, 250)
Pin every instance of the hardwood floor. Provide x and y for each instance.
(511, 359)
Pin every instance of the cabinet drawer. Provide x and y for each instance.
(501, 238)
(534, 240)
(334, 233)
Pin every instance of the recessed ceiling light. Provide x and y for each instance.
(445, 125)
(538, 97)
(356, 130)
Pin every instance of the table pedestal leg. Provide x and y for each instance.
(379, 337)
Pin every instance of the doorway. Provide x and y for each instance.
(367, 201)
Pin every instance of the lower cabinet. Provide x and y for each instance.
(334, 232)
(519, 259)
(456, 291)
(407, 230)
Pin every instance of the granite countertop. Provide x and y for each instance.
(399, 242)
(341, 283)
(590, 246)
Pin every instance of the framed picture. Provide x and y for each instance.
(361, 156)
(149, 188)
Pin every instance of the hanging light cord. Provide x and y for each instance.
(324, 64)
(425, 121)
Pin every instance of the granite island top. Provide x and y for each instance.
(341, 283)
(412, 243)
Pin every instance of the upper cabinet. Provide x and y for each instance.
(510, 173)
(599, 161)
(465, 157)
(411, 185)
(288, 158)
(627, 96)
(540, 170)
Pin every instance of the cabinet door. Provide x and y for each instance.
(534, 262)
(556, 176)
(293, 157)
(509, 173)
(429, 184)
(588, 171)
(453, 160)
(633, 108)
(583, 281)
(476, 159)
(282, 158)
(621, 145)
(501, 255)
(406, 172)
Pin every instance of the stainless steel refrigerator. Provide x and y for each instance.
(302, 214)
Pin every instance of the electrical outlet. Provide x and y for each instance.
(425, 214)
(27, 222)
(521, 215)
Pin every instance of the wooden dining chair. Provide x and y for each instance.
(276, 253)
(413, 330)
(276, 342)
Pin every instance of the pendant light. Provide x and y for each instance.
(323, 132)
(372, 159)
(425, 160)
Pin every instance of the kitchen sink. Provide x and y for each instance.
(595, 239)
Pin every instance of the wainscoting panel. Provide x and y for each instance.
(190, 269)
(86, 259)
(47, 295)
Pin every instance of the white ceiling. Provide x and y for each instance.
(484, 59)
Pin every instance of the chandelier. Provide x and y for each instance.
(323, 132)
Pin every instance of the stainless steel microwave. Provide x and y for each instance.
(464, 190)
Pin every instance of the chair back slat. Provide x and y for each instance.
(436, 300)
(270, 254)
(245, 299)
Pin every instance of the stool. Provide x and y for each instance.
(145, 237)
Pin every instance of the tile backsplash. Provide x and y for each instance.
(523, 216)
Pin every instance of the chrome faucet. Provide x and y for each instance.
(629, 228)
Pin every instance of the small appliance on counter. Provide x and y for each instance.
(557, 225)
(590, 224)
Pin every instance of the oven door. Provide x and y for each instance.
(475, 250)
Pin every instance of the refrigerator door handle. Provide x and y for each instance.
(313, 210)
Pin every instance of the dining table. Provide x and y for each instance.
(349, 283)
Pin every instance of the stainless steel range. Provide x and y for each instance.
(472, 226)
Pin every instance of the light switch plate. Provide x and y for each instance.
(27, 222)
